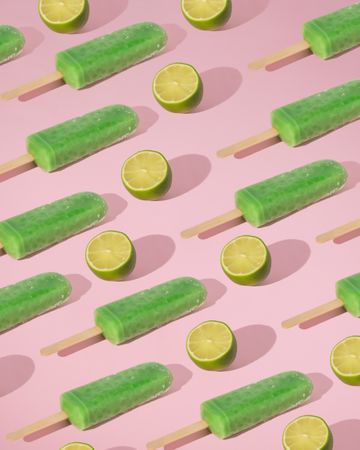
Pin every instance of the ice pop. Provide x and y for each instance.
(132, 316)
(29, 298)
(276, 197)
(348, 298)
(100, 58)
(12, 42)
(41, 227)
(306, 119)
(325, 36)
(246, 407)
(75, 139)
(106, 398)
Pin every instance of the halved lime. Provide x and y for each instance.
(207, 14)
(64, 16)
(307, 433)
(146, 175)
(345, 360)
(246, 260)
(178, 87)
(77, 446)
(110, 255)
(211, 345)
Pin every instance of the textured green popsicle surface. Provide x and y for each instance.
(318, 114)
(251, 405)
(41, 227)
(28, 298)
(141, 312)
(79, 137)
(314, 116)
(348, 290)
(12, 42)
(334, 33)
(103, 399)
(109, 54)
(283, 194)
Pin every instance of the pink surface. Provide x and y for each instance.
(236, 104)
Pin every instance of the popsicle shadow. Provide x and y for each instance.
(255, 341)
(100, 15)
(322, 385)
(245, 11)
(116, 206)
(15, 371)
(323, 318)
(80, 286)
(257, 148)
(152, 252)
(188, 172)
(346, 434)
(19, 170)
(121, 448)
(220, 83)
(176, 35)
(187, 440)
(33, 38)
(147, 118)
(182, 375)
(46, 431)
(353, 170)
(221, 228)
(289, 60)
(41, 90)
(347, 237)
(215, 291)
(287, 257)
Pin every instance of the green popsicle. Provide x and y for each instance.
(348, 290)
(29, 298)
(70, 141)
(335, 32)
(41, 227)
(101, 57)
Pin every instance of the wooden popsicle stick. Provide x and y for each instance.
(313, 313)
(212, 223)
(20, 162)
(70, 341)
(260, 138)
(294, 49)
(177, 435)
(32, 85)
(37, 426)
(339, 231)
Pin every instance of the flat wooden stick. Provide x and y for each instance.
(32, 85)
(212, 223)
(37, 426)
(260, 138)
(177, 435)
(313, 313)
(20, 162)
(266, 61)
(70, 341)
(339, 231)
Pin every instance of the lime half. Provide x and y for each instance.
(178, 87)
(345, 360)
(211, 345)
(246, 260)
(77, 446)
(307, 433)
(206, 14)
(64, 16)
(146, 175)
(111, 255)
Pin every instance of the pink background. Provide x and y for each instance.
(236, 104)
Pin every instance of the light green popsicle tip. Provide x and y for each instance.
(12, 42)
(348, 290)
